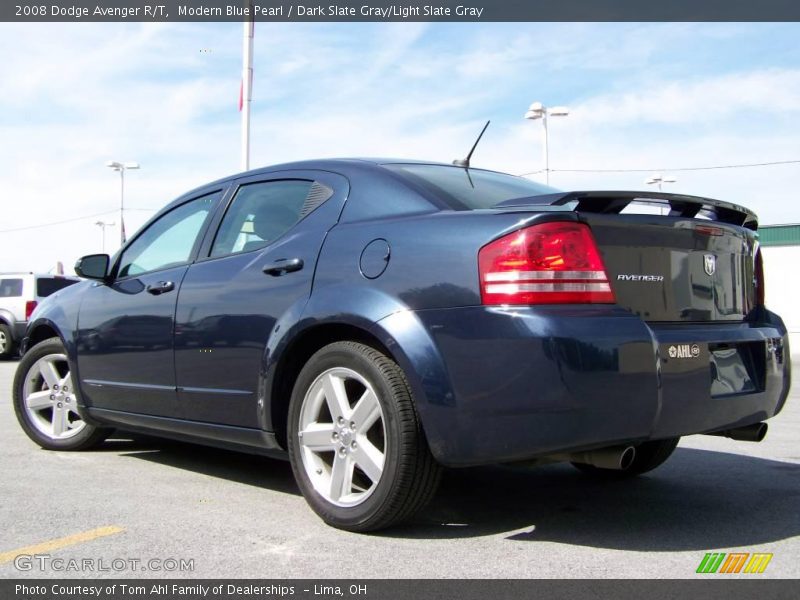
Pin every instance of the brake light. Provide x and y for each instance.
(708, 230)
(759, 279)
(30, 305)
(550, 263)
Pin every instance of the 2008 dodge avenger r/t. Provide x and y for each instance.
(375, 320)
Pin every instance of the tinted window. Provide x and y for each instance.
(463, 189)
(261, 213)
(50, 285)
(169, 241)
(10, 288)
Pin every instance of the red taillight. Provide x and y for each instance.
(708, 230)
(30, 305)
(550, 263)
(759, 276)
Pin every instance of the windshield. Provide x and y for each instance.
(468, 189)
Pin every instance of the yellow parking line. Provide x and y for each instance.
(63, 542)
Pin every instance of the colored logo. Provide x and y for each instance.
(735, 562)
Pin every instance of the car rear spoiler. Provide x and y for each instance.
(613, 202)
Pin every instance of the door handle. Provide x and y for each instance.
(283, 266)
(162, 287)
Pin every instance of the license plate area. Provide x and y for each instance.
(737, 368)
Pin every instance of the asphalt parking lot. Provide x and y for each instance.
(236, 515)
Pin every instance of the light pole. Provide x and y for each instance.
(103, 225)
(247, 84)
(121, 167)
(537, 110)
(659, 179)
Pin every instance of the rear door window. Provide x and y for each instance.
(10, 288)
(46, 286)
(262, 212)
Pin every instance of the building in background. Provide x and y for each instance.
(781, 247)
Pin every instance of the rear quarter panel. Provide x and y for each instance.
(432, 265)
(433, 260)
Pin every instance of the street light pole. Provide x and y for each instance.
(545, 148)
(122, 167)
(102, 225)
(121, 206)
(659, 179)
(539, 111)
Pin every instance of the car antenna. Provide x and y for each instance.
(464, 162)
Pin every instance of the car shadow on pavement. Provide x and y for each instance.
(698, 500)
(239, 467)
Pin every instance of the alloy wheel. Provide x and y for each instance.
(342, 437)
(49, 398)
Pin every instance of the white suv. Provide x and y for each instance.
(19, 295)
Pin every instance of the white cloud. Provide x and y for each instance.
(75, 96)
(739, 96)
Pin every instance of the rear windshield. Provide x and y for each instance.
(47, 285)
(10, 288)
(468, 189)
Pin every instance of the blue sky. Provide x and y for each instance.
(641, 95)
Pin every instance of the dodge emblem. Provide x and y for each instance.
(710, 263)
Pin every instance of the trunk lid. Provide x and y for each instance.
(695, 263)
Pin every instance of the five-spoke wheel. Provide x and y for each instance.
(342, 437)
(355, 442)
(46, 400)
(49, 398)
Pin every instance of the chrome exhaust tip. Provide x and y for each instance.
(749, 433)
(618, 458)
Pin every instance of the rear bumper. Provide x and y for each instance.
(531, 381)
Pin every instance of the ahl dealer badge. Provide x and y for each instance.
(684, 351)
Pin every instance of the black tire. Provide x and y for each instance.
(410, 475)
(86, 438)
(6, 342)
(649, 455)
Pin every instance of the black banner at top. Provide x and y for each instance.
(402, 10)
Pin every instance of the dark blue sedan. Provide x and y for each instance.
(374, 320)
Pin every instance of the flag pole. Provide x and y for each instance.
(247, 85)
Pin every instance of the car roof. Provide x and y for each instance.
(342, 165)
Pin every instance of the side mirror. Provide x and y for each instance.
(93, 266)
